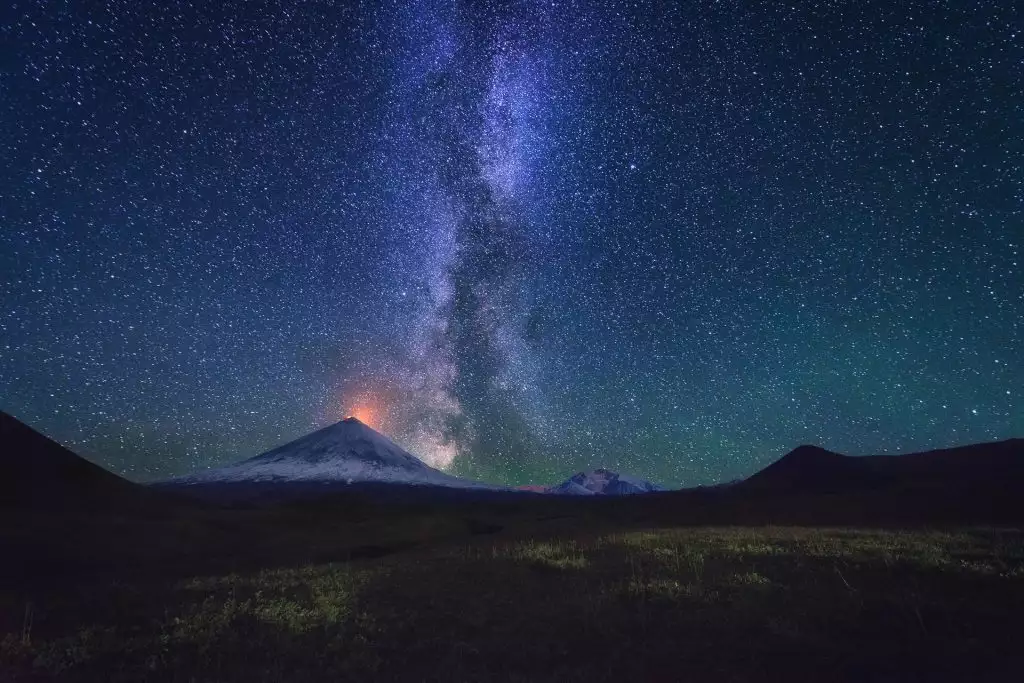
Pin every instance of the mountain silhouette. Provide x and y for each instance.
(38, 473)
(811, 469)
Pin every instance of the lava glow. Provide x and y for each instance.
(365, 413)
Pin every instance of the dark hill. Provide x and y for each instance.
(999, 464)
(64, 517)
(976, 468)
(38, 474)
(810, 469)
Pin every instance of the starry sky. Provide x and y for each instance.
(521, 238)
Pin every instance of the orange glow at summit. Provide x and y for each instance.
(370, 408)
(365, 414)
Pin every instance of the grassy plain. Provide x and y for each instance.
(587, 604)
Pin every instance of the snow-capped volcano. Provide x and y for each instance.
(347, 452)
(603, 482)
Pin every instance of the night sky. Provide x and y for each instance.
(673, 239)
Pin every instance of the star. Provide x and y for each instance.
(225, 228)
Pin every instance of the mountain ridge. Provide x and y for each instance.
(813, 469)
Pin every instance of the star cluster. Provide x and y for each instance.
(521, 238)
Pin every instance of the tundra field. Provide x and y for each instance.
(721, 603)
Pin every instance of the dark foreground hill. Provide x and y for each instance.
(39, 475)
(984, 467)
(63, 517)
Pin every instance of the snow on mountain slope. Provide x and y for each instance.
(571, 488)
(603, 482)
(346, 452)
(626, 484)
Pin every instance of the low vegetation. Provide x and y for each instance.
(674, 604)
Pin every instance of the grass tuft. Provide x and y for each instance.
(557, 556)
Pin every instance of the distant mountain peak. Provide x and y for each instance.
(603, 481)
(807, 467)
(811, 452)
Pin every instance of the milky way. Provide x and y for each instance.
(470, 115)
(521, 238)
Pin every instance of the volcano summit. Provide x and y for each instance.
(347, 452)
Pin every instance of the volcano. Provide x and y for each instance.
(347, 452)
